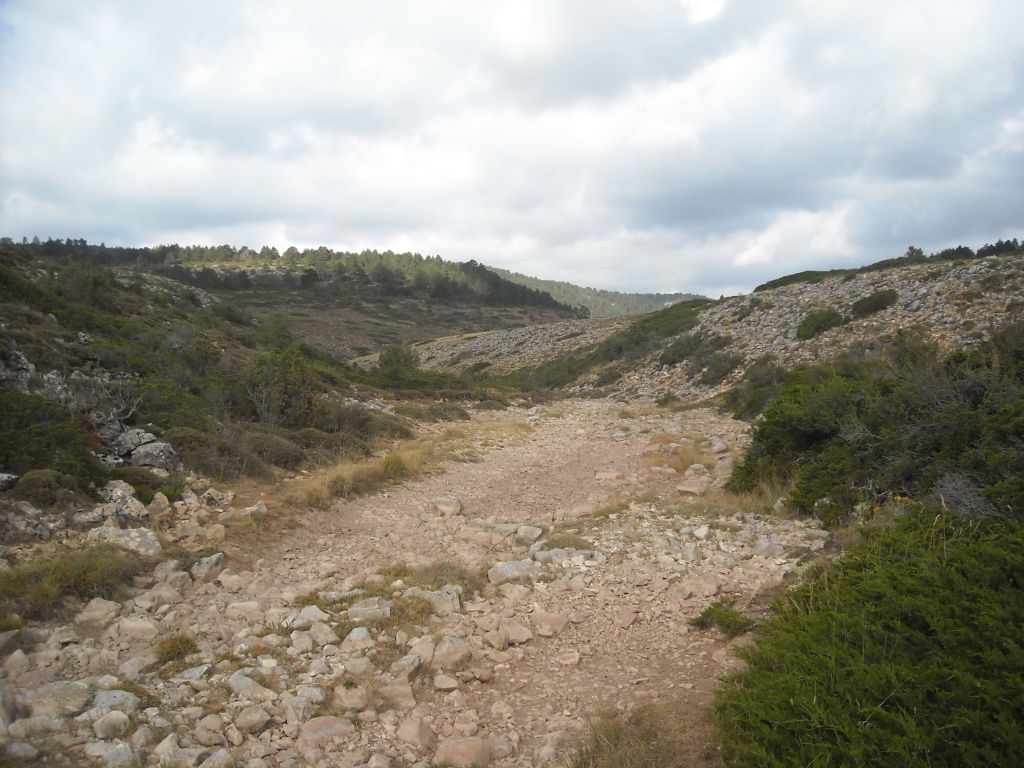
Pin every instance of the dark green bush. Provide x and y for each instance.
(37, 434)
(225, 458)
(908, 651)
(759, 385)
(398, 357)
(719, 365)
(608, 376)
(818, 321)
(46, 487)
(908, 423)
(275, 449)
(876, 302)
(680, 349)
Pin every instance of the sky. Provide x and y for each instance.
(663, 145)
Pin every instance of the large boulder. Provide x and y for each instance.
(140, 540)
(159, 454)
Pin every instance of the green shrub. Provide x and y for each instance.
(760, 384)
(723, 615)
(680, 349)
(275, 449)
(46, 488)
(719, 365)
(608, 376)
(37, 434)
(37, 589)
(908, 651)
(398, 357)
(224, 458)
(876, 302)
(908, 422)
(818, 321)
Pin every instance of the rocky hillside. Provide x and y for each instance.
(953, 302)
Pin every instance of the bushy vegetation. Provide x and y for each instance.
(876, 302)
(37, 434)
(758, 386)
(724, 616)
(37, 590)
(818, 321)
(908, 422)
(907, 651)
(599, 302)
(638, 340)
(914, 255)
(231, 395)
(648, 737)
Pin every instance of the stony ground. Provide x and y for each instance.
(599, 538)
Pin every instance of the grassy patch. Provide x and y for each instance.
(649, 737)
(353, 478)
(437, 575)
(175, 647)
(907, 651)
(37, 590)
(722, 615)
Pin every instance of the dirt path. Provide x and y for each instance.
(627, 639)
(612, 516)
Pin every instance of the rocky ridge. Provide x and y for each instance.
(956, 303)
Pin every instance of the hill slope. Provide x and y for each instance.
(601, 303)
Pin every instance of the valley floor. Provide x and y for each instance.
(512, 676)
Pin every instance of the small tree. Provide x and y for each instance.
(398, 357)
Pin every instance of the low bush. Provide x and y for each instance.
(907, 651)
(275, 449)
(719, 365)
(224, 458)
(904, 422)
(759, 385)
(818, 321)
(876, 302)
(37, 590)
(37, 434)
(724, 616)
(46, 488)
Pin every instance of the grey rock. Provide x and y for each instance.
(208, 568)
(112, 725)
(370, 609)
(251, 719)
(515, 570)
(158, 454)
(140, 540)
(447, 505)
(59, 699)
(7, 481)
(122, 701)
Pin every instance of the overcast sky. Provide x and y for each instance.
(690, 145)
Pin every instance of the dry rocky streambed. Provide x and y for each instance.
(578, 547)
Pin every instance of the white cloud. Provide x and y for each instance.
(672, 145)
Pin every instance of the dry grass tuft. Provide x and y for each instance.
(352, 478)
(176, 647)
(653, 736)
